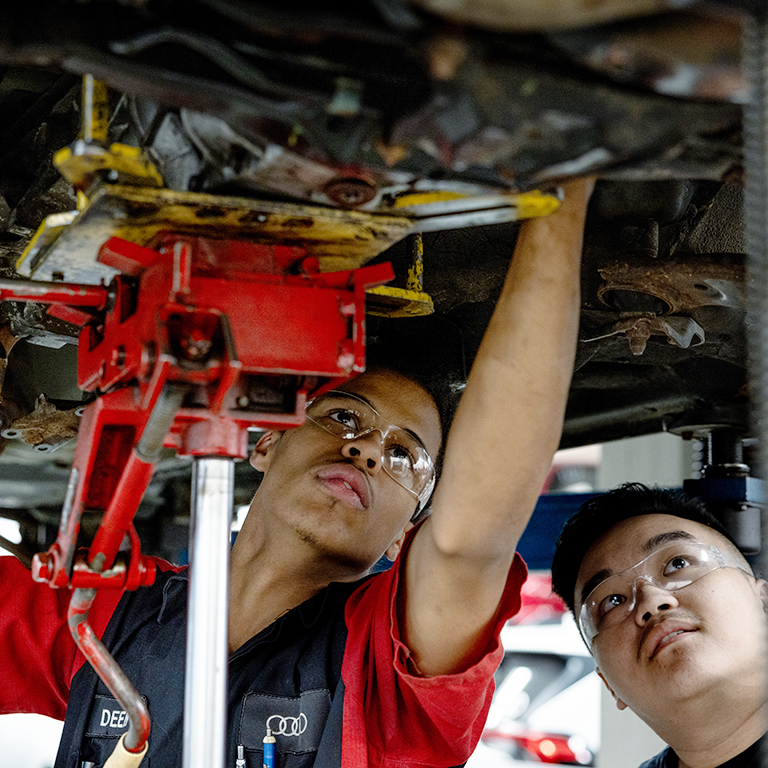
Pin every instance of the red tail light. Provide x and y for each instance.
(546, 747)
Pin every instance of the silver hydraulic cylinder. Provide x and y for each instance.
(205, 692)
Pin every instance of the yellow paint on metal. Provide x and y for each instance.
(525, 205)
(80, 162)
(426, 198)
(536, 203)
(339, 239)
(414, 281)
(48, 232)
(387, 301)
(95, 98)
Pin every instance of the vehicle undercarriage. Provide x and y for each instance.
(331, 139)
(416, 123)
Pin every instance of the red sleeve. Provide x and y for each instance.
(395, 718)
(38, 657)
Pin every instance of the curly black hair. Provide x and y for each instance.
(602, 512)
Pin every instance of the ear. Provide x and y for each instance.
(394, 548)
(619, 703)
(260, 457)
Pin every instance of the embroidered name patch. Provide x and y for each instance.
(296, 722)
(108, 719)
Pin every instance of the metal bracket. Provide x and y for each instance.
(247, 331)
(680, 331)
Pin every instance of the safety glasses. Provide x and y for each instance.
(403, 456)
(671, 567)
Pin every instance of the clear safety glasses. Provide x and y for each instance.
(403, 456)
(672, 567)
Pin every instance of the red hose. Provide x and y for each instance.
(108, 669)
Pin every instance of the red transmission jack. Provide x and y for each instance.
(191, 344)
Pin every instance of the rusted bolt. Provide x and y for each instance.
(195, 347)
(350, 193)
(638, 337)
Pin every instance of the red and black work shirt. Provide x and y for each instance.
(331, 677)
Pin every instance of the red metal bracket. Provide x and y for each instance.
(243, 333)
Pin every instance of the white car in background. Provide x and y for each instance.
(546, 708)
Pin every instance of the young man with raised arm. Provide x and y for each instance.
(345, 668)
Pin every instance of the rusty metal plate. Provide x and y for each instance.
(339, 239)
(711, 280)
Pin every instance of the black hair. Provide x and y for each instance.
(602, 512)
(433, 378)
(445, 403)
(408, 346)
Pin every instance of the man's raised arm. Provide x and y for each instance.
(500, 447)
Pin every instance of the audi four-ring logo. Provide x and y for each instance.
(287, 726)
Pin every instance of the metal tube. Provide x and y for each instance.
(150, 445)
(72, 294)
(756, 216)
(205, 692)
(135, 475)
(415, 279)
(95, 126)
(108, 670)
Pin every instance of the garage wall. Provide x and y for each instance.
(662, 459)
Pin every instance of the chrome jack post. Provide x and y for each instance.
(205, 691)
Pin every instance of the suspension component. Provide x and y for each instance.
(735, 497)
(92, 155)
(756, 215)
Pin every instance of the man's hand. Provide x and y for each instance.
(501, 444)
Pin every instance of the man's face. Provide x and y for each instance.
(678, 646)
(334, 493)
